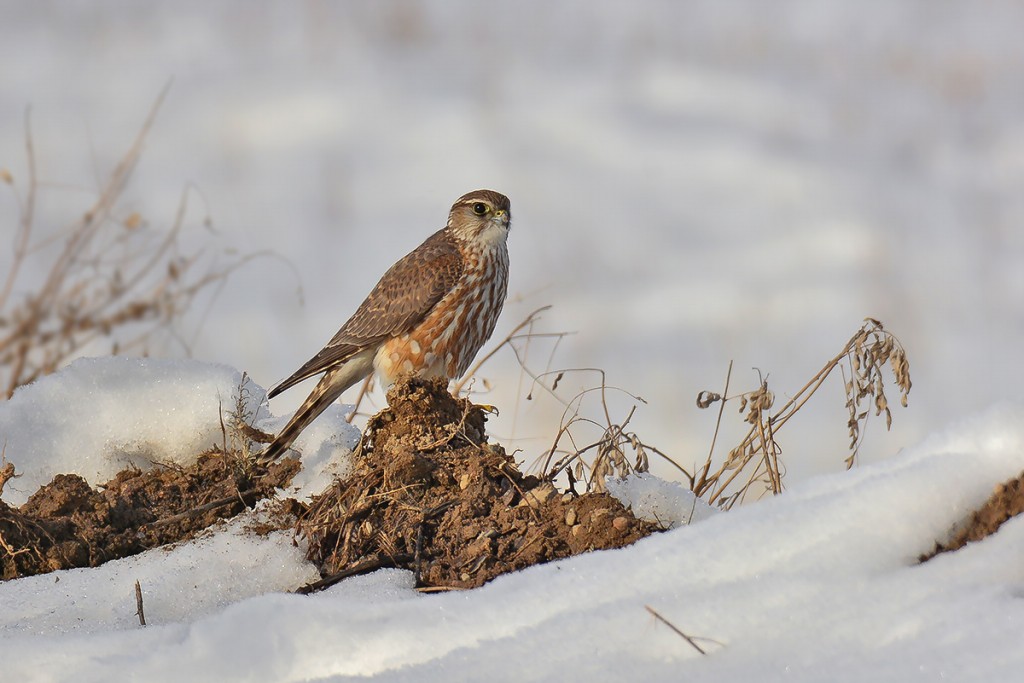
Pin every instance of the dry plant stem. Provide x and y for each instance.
(867, 351)
(699, 484)
(105, 276)
(771, 455)
(678, 632)
(567, 421)
(611, 446)
(362, 568)
(240, 496)
(48, 294)
(138, 603)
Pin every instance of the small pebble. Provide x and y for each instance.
(620, 523)
(464, 481)
(570, 517)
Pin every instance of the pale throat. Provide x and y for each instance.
(494, 235)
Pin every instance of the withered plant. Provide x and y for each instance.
(590, 444)
(109, 280)
(755, 460)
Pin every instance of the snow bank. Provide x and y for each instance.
(323, 447)
(660, 501)
(182, 583)
(820, 583)
(100, 415)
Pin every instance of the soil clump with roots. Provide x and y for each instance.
(429, 493)
(67, 523)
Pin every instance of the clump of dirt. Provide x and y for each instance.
(67, 523)
(1005, 502)
(429, 494)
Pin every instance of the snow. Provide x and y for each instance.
(656, 500)
(692, 184)
(181, 584)
(79, 422)
(819, 583)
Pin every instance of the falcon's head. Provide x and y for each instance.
(481, 216)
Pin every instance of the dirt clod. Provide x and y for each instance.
(1005, 502)
(429, 494)
(67, 523)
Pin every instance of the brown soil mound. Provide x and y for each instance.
(1007, 501)
(68, 524)
(429, 494)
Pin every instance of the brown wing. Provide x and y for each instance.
(402, 298)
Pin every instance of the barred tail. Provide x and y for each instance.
(330, 387)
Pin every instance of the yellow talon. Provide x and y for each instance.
(487, 408)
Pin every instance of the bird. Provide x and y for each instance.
(428, 315)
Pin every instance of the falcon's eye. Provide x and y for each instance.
(479, 208)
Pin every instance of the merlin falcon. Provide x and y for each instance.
(427, 317)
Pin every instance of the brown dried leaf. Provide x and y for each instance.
(706, 398)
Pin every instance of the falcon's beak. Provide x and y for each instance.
(502, 216)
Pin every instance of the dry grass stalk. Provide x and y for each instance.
(617, 452)
(612, 449)
(111, 281)
(861, 360)
(237, 431)
(689, 639)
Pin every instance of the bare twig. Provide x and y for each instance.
(364, 567)
(677, 631)
(241, 496)
(107, 278)
(861, 360)
(138, 603)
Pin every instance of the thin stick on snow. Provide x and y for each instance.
(672, 626)
(138, 602)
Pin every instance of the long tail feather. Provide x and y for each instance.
(330, 387)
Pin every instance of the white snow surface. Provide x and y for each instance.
(663, 502)
(819, 583)
(79, 421)
(692, 184)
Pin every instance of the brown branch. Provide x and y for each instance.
(240, 496)
(138, 603)
(363, 567)
(677, 631)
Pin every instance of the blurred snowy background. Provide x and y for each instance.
(691, 183)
